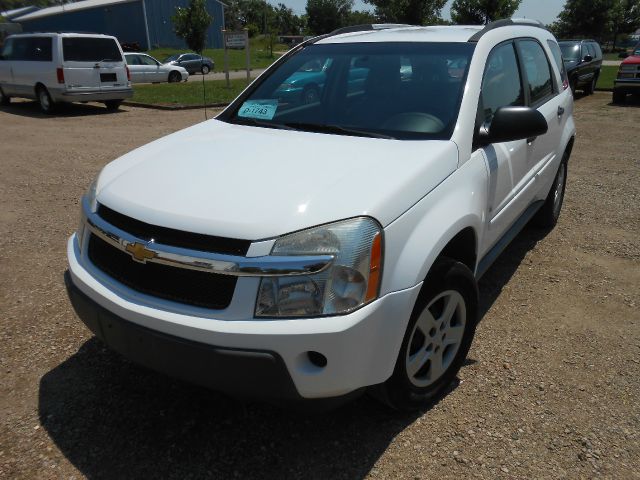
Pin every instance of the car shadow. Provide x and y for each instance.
(31, 109)
(112, 419)
(631, 101)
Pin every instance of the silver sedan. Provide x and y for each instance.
(146, 69)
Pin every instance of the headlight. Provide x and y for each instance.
(352, 280)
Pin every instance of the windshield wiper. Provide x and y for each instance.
(259, 123)
(315, 127)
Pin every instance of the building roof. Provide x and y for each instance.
(68, 7)
(16, 12)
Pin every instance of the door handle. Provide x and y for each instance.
(560, 111)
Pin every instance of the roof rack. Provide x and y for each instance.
(506, 22)
(368, 27)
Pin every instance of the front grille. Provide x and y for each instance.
(202, 289)
(175, 238)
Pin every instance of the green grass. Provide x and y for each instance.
(187, 93)
(259, 49)
(607, 76)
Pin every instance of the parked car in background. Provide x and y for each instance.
(146, 69)
(349, 256)
(192, 62)
(64, 67)
(583, 62)
(628, 78)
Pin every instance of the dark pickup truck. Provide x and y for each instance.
(583, 61)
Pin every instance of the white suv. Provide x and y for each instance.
(64, 67)
(296, 249)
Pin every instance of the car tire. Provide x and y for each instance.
(44, 100)
(548, 215)
(205, 69)
(113, 105)
(4, 100)
(174, 77)
(589, 89)
(434, 320)
(310, 94)
(619, 97)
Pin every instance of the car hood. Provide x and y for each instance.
(632, 60)
(256, 183)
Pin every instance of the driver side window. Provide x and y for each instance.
(502, 83)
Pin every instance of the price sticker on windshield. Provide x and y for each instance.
(260, 109)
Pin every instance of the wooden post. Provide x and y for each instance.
(226, 59)
(246, 47)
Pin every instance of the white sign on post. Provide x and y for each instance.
(236, 40)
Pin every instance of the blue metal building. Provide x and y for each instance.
(145, 22)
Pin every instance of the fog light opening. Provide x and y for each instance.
(317, 359)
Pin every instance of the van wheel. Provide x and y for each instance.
(619, 97)
(112, 105)
(205, 69)
(44, 99)
(592, 86)
(4, 100)
(175, 77)
(548, 215)
(437, 339)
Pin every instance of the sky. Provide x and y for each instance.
(544, 10)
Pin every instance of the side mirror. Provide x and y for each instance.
(513, 123)
(587, 58)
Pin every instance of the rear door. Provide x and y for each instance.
(135, 67)
(31, 63)
(543, 93)
(93, 63)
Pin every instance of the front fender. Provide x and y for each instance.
(414, 240)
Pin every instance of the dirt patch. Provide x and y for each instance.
(551, 389)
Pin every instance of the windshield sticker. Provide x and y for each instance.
(260, 109)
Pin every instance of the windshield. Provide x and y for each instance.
(171, 58)
(90, 49)
(570, 51)
(391, 90)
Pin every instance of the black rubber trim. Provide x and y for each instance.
(171, 236)
(505, 22)
(251, 374)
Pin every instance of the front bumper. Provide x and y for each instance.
(361, 348)
(631, 85)
(60, 95)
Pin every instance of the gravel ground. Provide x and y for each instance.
(551, 388)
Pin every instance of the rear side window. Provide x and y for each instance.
(31, 49)
(501, 84)
(536, 66)
(557, 56)
(7, 50)
(592, 50)
(87, 49)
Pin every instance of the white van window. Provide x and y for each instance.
(7, 50)
(31, 49)
(89, 49)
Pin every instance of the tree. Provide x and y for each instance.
(286, 22)
(191, 23)
(324, 16)
(481, 12)
(361, 17)
(584, 18)
(624, 18)
(414, 12)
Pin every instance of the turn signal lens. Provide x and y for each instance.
(60, 75)
(374, 268)
(128, 73)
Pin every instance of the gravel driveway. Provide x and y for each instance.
(551, 389)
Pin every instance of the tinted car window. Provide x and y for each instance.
(557, 56)
(7, 49)
(132, 59)
(591, 49)
(398, 89)
(501, 84)
(33, 49)
(147, 61)
(570, 51)
(87, 49)
(536, 65)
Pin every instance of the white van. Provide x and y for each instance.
(64, 67)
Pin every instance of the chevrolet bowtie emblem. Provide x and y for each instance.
(140, 252)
